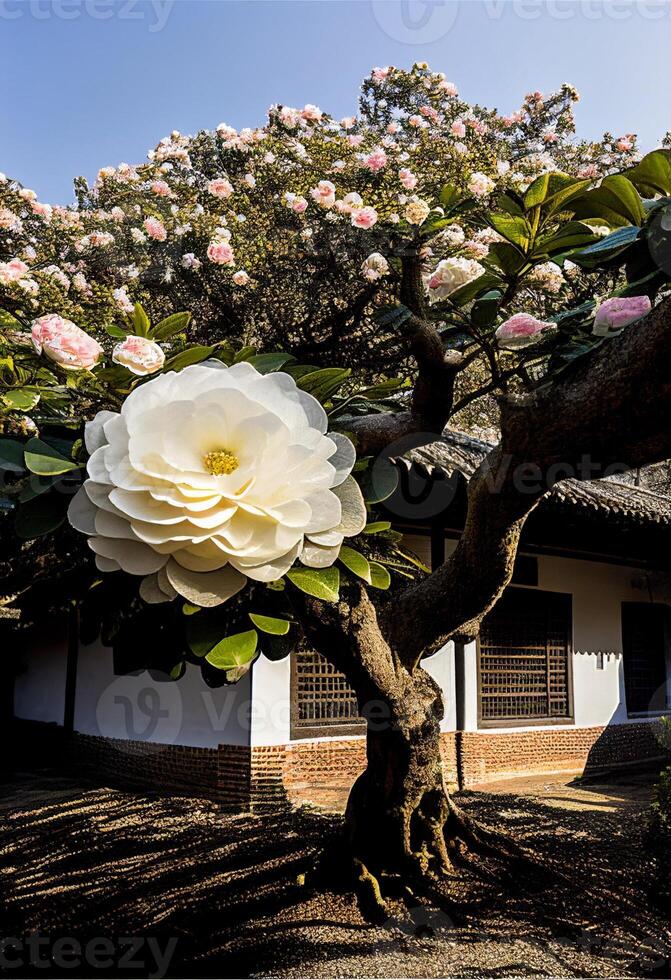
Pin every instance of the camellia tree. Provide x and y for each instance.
(350, 289)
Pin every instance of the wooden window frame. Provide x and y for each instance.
(662, 713)
(327, 729)
(543, 722)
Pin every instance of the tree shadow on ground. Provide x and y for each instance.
(88, 862)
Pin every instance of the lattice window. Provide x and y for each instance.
(644, 628)
(524, 660)
(322, 701)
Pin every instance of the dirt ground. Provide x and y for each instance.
(90, 862)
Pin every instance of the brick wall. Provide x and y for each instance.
(268, 777)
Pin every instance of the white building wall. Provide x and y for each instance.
(597, 590)
(136, 707)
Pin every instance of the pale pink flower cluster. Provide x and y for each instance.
(619, 312)
(480, 185)
(548, 276)
(241, 278)
(451, 274)
(155, 229)
(380, 75)
(9, 221)
(324, 194)
(219, 251)
(64, 343)
(363, 217)
(220, 187)
(311, 113)
(375, 267)
(458, 128)
(377, 160)
(189, 261)
(295, 202)
(140, 355)
(417, 211)
(96, 239)
(160, 188)
(521, 330)
(407, 178)
(123, 300)
(42, 210)
(13, 271)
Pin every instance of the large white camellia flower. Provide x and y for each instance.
(214, 475)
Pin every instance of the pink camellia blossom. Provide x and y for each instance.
(392, 128)
(220, 187)
(349, 122)
(619, 312)
(312, 113)
(624, 144)
(9, 221)
(140, 355)
(241, 278)
(13, 270)
(220, 252)
(296, 202)
(415, 121)
(377, 160)
(447, 88)
(349, 203)
(355, 139)
(155, 229)
(160, 188)
(458, 128)
(324, 194)
(42, 210)
(408, 179)
(380, 74)
(65, 343)
(364, 217)
(289, 117)
(521, 330)
(429, 112)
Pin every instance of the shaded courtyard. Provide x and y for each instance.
(86, 861)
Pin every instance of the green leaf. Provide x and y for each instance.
(486, 308)
(480, 285)
(267, 363)
(505, 257)
(653, 174)
(379, 576)
(141, 322)
(40, 516)
(244, 354)
(514, 229)
(392, 316)
(117, 332)
(553, 191)
(571, 235)
(322, 583)
(192, 355)
(449, 195)
(44, 460)
(379, 480)
(616, 200)
(11, 456)
(270, 624)
(606, 248)
(324, 383)
(171, 325)
(234, 651)
(21, 399)
(376, 527)
(190, 610)
(8, 319)
(355, 562)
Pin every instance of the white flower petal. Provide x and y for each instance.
(205, 588)
(132, 556)
(343, 459)
(151, 592)
(354, 516)
(94, 437)
(82, 512)
(315, 556)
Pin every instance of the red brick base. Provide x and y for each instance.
(267, 777)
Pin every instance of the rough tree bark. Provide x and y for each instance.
(610, 409)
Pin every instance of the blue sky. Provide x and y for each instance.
(89, 83)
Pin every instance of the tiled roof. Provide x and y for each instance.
(613, 496)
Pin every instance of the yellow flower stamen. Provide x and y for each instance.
(221, 462)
